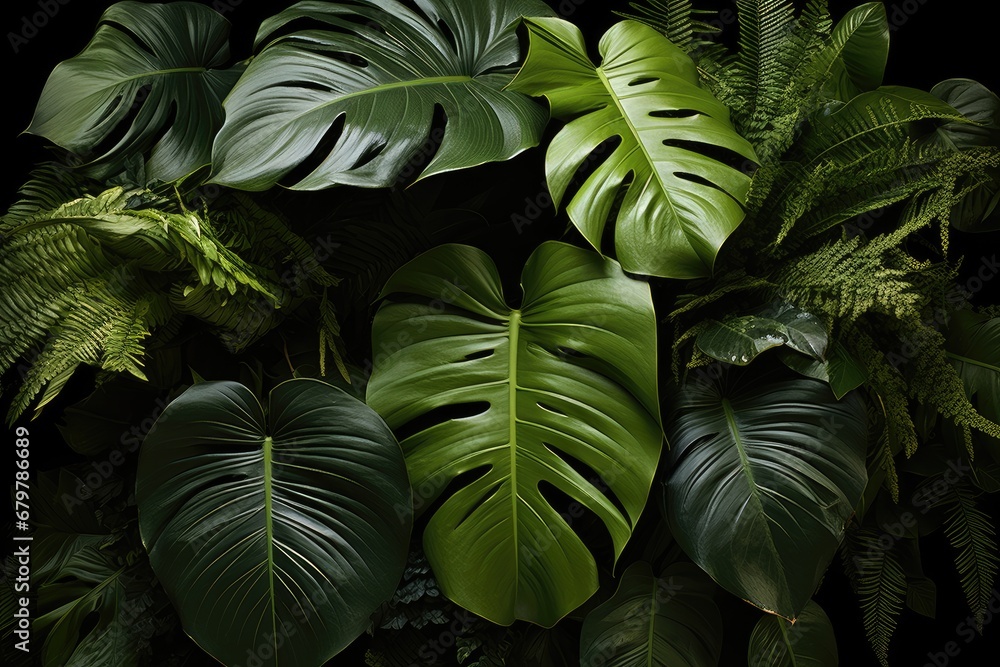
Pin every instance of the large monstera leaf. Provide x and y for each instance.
(680, 204)
(560, 392)
(156, 67)
(379, 69)
(764, 475)
(276, 532)
(665, 621)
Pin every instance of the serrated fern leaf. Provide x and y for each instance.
(880, 584)
(971, 533)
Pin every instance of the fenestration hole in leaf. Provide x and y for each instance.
(599, 155)
(549, 408)
(643, 80)
(481, 354)
(592, 476)
(352, 59)
(482, 500)
(370, 154)
(447, 32)
(587, 525)
(674, 113)
(717, 153)
(430, 495)
(322, 151)
(131, 35)
(441, 415)
(110, 109)
(121, 129)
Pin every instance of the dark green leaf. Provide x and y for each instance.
(764, 475)
(809, 642)
(380, 68)
(276, 532)
(665, 621)
(174, 52)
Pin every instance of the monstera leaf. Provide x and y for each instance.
(276, 532)
(809, 642)
(560, 393)
(764, 475)
(680, 204)
(158, 69)
(665, 621)
(372, 79)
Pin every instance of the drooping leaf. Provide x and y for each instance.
(840, 369)
(739, 340)
(161, 62)
(764, 474)
(665, 621)
(970, 531)
(567, 377)
(379, 69)
(861, 39)
(680, 204)
(274, 530)
(880, 583)
(809, 642)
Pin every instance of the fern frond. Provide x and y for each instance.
(676, 20)
(971, 533)
(880, 583)
(89, 281)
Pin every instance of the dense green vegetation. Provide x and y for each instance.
(333, 409)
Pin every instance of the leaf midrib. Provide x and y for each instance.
(734, 432)
(269, 536)
(514, 327)
(413, 83)
(613, 94)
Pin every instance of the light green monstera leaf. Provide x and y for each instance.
(558, 393)
(275, 531)
(680, 204)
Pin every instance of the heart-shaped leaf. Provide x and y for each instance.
(557, 394)
(276, 532)
(154, 67)
(665, 621)
(380, 69)
(680, 204)
(764, 475)
(809, 642)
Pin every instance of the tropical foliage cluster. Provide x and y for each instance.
(334, 408)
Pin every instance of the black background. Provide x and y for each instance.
(931, 40)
